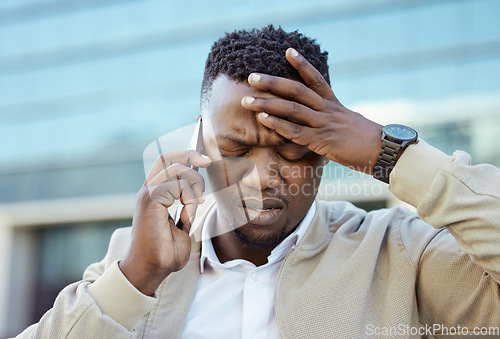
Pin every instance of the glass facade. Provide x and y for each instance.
(63, 253)
(85, 86)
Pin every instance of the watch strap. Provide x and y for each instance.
(386, 160)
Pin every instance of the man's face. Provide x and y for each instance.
(274, 181)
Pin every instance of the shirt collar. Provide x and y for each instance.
(208, 252)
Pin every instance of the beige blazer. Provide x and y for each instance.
(354, 273)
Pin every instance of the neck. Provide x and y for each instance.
(228, 248)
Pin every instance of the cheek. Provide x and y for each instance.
(302, 180)
(225, 172)
(216, 176)
(300, 173)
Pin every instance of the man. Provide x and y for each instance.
(297, 268)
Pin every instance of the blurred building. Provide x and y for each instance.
(85, 86)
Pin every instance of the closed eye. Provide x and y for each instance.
(292, 158)
(230, 156)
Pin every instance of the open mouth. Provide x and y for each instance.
(263, 212)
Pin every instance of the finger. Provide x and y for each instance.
(298, 134)
(287, 88)
(311, 75)
(185, 222)
(190, 202)
(286, 109)
(182, 157)
(167, 192)
(177, 171)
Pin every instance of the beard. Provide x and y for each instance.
(251, 236)
(248, 238)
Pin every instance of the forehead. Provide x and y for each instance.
(230, 120)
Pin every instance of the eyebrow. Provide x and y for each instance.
(241, 141)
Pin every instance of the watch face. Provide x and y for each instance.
(400, 132)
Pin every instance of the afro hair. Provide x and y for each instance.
(242, 52)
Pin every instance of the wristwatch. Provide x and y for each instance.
(395, 138)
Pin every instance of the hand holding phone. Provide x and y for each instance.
(158, 246)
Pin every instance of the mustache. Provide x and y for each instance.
(268, 193)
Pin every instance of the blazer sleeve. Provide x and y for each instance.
(76, 313)
(459, 268)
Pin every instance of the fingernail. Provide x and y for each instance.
(264, 115)
(191, 220)
(255, 77)
(205, 157)
(294, 53)
(249, 100)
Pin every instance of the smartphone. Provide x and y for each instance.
(196, 144)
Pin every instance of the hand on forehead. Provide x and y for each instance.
(310, 115)
(230, 120)
(292, 100)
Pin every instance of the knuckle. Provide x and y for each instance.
(184, 183)
(200, 182)
(262, 103)
(295, 131)
(278, 124)
(298, 89)
(319, 148)
(191, 154)
(186, 191)
(163, 159)
(142, 195)
(330, 106)
(177, 169)
(174, 168)
(294, 107)
(273, 81)
(318, 80)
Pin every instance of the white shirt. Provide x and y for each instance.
(236, 299)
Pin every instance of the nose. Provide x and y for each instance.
(264, 172)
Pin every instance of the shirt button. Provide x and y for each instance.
(256, 276)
